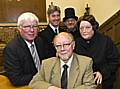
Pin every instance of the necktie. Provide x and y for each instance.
(64, 77)
(56, 31)
(35, 58)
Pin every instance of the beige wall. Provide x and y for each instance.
(104, 9)
(101, 9)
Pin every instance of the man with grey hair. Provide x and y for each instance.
(23, 55)
(52, 29)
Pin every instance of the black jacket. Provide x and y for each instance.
(47, 36)
(74, 31)
(18, 61)
(103, 51)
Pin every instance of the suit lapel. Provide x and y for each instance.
(56, 74)
(74, 71)
(51, 30)
(73, 75)
(24, 46)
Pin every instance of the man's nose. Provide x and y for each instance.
(31, 28)
(62, 47)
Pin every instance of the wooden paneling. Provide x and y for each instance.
(117, 31)
(1, 58)
(111, 28)
(11, 9)
(110, 32)
(2, 4)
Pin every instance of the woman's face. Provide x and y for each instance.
(86, 30)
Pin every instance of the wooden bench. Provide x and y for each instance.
(6, 84)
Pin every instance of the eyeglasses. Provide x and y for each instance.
(86, 27)
(66, 45)
(28, 27)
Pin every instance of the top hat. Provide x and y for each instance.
(70, 13)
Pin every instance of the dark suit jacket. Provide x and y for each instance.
(18, 61)
(75, 32)
(80, 75)
(47, 36)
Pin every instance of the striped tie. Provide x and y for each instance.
(35, 58)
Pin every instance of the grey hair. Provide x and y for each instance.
(26, 16)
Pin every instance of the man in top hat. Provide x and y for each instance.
(70, 22)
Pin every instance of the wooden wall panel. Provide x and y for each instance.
(111, 28)
(117, 31)
(110, 33)
(2, 4)
(1, 59)
(11, 9)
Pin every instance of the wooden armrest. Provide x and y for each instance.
(6, 84)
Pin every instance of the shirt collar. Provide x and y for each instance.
(68, 63)
(29, 44)
(53, 27)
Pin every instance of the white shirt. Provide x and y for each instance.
(68, 64)
(54, 28)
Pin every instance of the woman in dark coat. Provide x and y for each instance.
(100, 48)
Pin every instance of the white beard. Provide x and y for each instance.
(64, 57)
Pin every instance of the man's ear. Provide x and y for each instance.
(19, 28)
(57, 54)
(73, 45)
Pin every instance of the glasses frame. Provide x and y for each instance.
(29, 27)
(65, 46)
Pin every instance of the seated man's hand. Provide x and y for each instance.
(53, 87)
(98, 77)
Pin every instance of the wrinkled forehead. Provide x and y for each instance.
(62, 37)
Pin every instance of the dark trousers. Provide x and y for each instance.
(108, 84)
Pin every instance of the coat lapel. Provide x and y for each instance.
(24, 46)
(56, 74)
(74, 71)
(51, 31)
